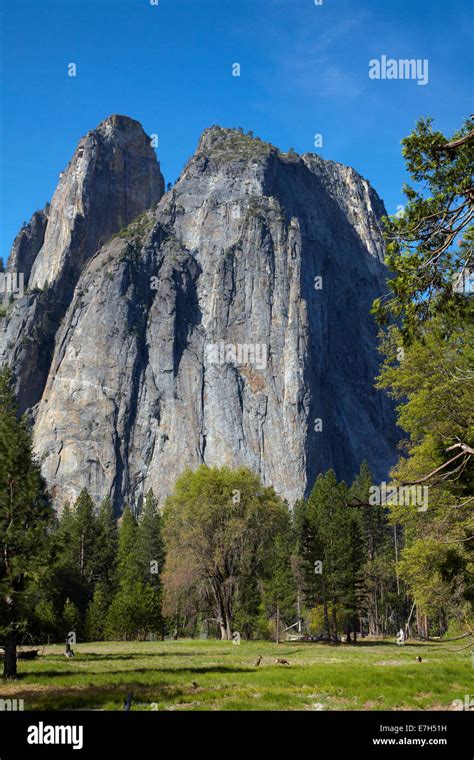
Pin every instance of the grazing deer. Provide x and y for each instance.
(282, 662)
(258, 661)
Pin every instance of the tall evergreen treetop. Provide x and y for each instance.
(26, 516)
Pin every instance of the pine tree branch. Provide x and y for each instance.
(454, 144)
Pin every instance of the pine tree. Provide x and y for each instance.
(128, 567)
(62, 580)
(352, 580)
(378, 551)
(151, 557)
(45, 619)
(279, 588)
(125, 617)
(315, 553)
(26, 516)
(71, 619)
(330, 548)
(149, 547)
(64, 534)
(430, 315)
(82, 556)
(85, 537)
(421, 243)
(435, 401)
(132, 612)
(107, 545)
(97, 611)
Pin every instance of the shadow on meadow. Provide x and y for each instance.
(178, 671)
(83, 656)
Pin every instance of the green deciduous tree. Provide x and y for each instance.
(220, 526)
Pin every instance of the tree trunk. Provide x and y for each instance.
(176, 620)
(371, 629)
(409, 620)
(396, 558)
(334, 619)
(225, 624)
(222, 611)
(376, 610)
(228, 618)
(326, 612)
(9, 661)
(277, 625)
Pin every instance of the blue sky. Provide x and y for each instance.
(304, 70)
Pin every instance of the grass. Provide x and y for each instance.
(215, 675)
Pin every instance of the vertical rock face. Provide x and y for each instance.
(112, 177)
(27, 244)
(228, 325)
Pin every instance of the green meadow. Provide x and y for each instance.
(218, 675)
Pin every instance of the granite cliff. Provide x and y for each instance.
(225, 322)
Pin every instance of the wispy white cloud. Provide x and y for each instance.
(314, 64)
